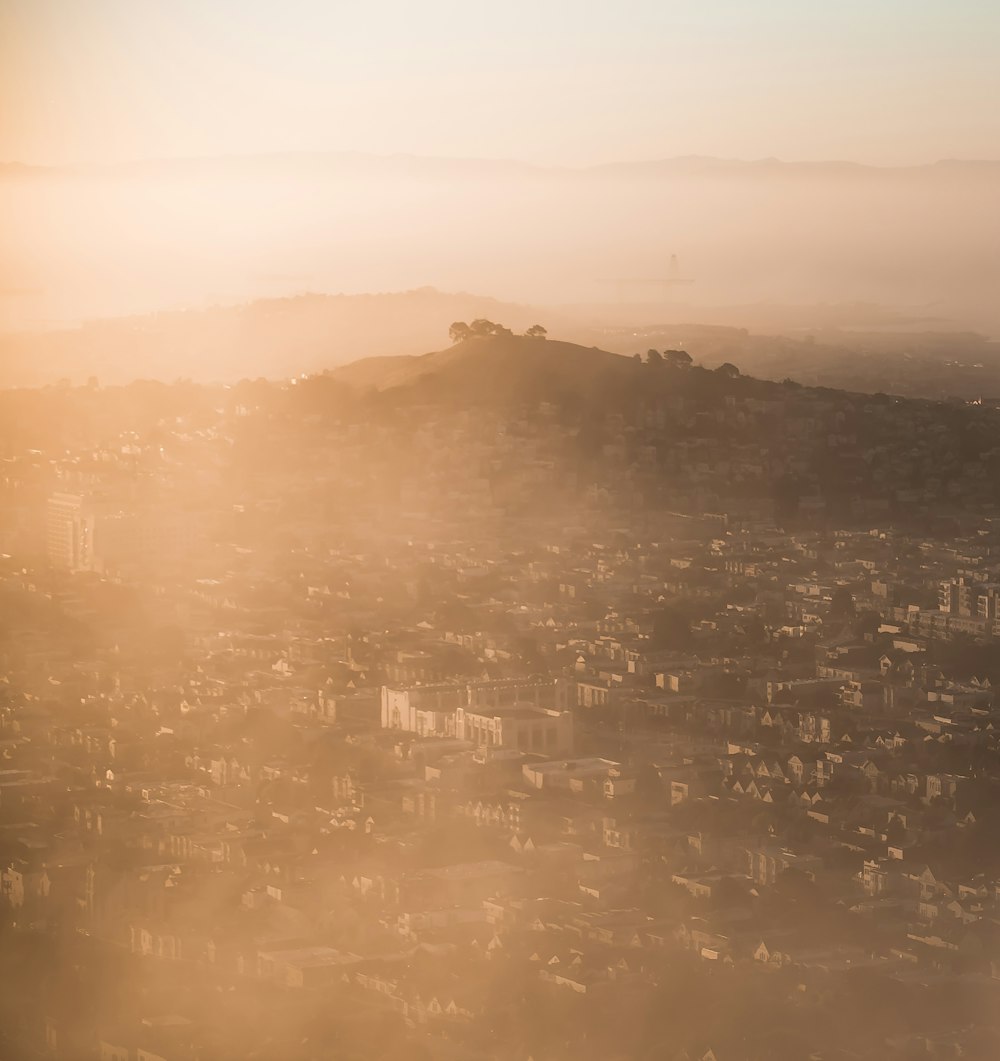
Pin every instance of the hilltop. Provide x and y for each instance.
(963, 365)
(496, 365)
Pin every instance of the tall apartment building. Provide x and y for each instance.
(964, 597)
(69, 533)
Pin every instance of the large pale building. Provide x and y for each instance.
(69, 533)
(464, 709)
(517, 727)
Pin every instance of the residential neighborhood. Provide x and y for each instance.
(448, 732)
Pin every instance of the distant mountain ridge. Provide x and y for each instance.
(129, 238)
(347, 161)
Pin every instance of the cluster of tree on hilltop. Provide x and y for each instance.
(682, 359)
(673, 358)
(481, 328)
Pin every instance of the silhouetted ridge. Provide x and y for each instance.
(501, 364)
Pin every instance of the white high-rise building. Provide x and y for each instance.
(69, 533)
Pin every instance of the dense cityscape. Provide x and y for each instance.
(524, 701)
(499, 531)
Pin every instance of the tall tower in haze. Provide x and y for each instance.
(69, 533)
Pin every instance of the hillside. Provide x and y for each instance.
(281, 338)
(920, 364)
(555, 427)
(493, 365)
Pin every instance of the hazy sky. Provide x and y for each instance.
(883, 81)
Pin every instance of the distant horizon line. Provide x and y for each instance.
(254, 302)
(403, 156)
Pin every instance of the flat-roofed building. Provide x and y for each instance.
(431, 710)
(574, 775)
(517, 727)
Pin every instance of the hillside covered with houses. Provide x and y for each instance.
(447, 706)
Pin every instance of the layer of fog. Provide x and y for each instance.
(107, 243)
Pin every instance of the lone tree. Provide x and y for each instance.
(671, 629)
(677, 358)
(729, 370)
(459, 332)
(842, 604)
(654, 357)
(536, 331)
